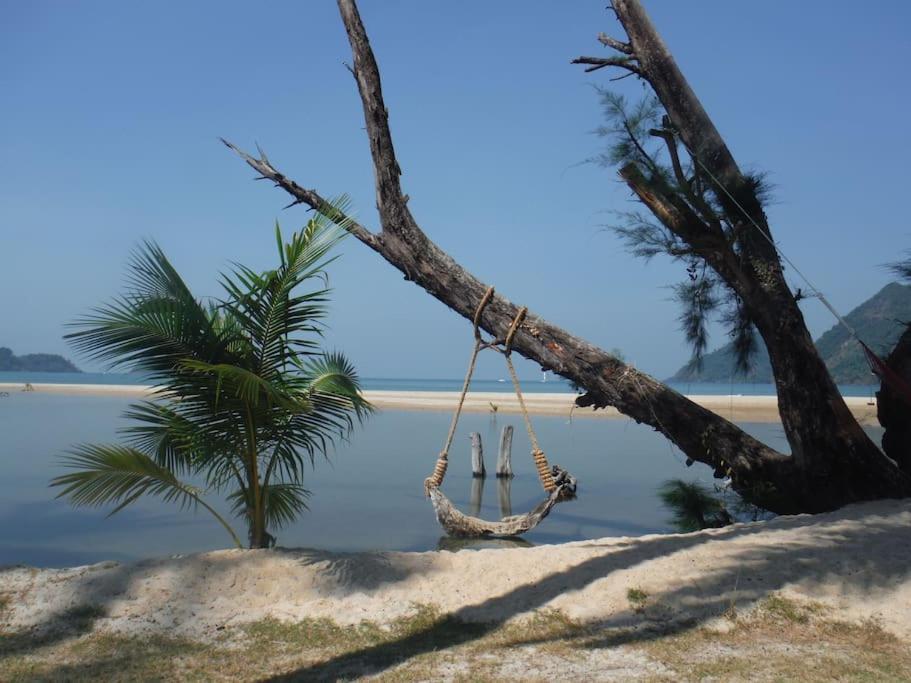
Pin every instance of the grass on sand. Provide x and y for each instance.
(779, 639)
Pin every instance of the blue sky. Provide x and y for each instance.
(111, 110)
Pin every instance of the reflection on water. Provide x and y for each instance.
(504, 495)
(474, 498)
(367, 496)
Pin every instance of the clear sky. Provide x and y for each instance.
(109, 113)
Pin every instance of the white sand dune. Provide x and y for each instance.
(856, 561)
(734, 408)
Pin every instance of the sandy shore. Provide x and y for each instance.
(854, 561)
(735, 408)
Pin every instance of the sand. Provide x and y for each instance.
(735, 408)
(855, 561)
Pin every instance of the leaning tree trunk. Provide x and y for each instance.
(765, 476)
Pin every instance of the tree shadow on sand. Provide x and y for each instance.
(862, 555)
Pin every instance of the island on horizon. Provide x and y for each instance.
(34, 362)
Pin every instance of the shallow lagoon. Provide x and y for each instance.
(367, 496)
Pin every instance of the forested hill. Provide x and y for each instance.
(879, 321)
(34, 362)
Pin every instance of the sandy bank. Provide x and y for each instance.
(734, 408)
(855, 562)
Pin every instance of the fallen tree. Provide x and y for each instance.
(833, 461)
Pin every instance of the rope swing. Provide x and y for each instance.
(556, 482)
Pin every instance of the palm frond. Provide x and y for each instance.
(153, 326)
(119, 475)
(284, 502)
(246, 385)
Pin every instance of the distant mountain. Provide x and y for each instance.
(34, 362)
(879, 321)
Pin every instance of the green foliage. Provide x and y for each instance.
(637, 597)
(638, 133)
(245, 398)
(879, 321)
(693, 505)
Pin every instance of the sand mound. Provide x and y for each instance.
(856, 560)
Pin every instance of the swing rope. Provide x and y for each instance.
(543, 467)
(435, 480)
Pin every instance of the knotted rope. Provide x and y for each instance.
(544, 472)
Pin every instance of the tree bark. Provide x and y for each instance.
(761, 474)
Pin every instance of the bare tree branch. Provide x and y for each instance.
(617, 45)
(266, 171)
(601, 62)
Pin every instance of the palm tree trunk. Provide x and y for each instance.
(258, 514)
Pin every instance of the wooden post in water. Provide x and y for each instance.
(477, 456)
(504, 457)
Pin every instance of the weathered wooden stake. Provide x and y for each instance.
(504, 457)
(477, 456)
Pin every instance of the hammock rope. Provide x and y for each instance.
(556, 482)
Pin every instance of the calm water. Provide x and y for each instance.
(529, 384)
(368, 496)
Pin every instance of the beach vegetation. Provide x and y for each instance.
(637, 598)
(803, 643)
(693, 505)
(245, 398)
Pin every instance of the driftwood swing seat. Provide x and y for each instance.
(557, 483)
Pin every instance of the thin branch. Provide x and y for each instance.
(698, 202)
(601, 62)
(645, 155)
(617, 45)
(304, 196)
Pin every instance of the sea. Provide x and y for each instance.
(365, 495)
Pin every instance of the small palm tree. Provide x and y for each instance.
(244, 397)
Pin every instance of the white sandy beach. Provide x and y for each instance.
(735, 408)
(855, 562)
